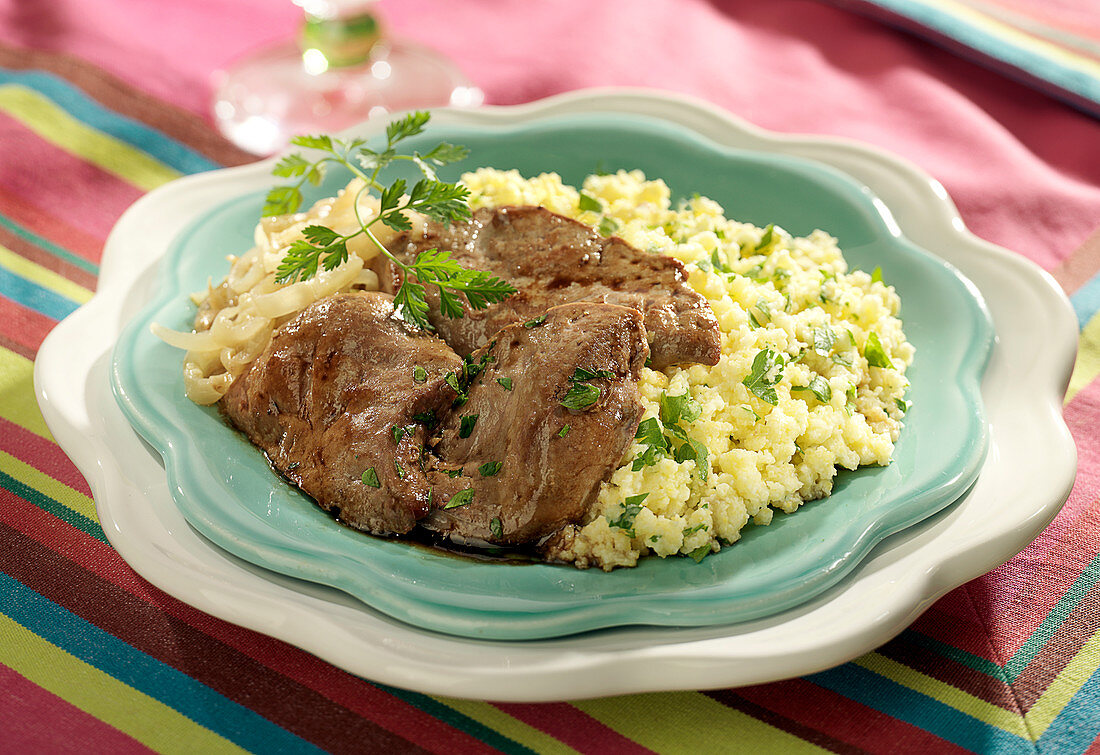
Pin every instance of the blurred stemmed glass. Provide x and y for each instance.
(343, 69)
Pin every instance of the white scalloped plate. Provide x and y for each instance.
(1025, 478)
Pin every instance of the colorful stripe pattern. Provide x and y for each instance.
(1054, 46)
(93, 658)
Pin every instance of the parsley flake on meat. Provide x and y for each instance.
(370, 478)
(461, 498)
(581, 396)
(490, 468)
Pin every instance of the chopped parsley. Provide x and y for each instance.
(819, 386)
(425, 418)
(874, 353)
(824, 339)
(700, 553)
(581, 396)
(676, 408)
(631, 506)
(655, 442)
(370, 478)
(490, 468)
(717, 263)
(581, 374)
(767, 239)
(588, 203)
(466, 425)
(697, 528)
(535, 322)
(461, 498)
(608, 226)
(496, 528)
(564, 431)
(505, 382)
(767, 371)
(420, 374)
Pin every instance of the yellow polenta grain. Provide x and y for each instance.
(811, 376)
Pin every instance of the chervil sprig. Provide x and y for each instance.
(322, 247)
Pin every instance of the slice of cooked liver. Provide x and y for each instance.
(548, 475)
(323, 399)
(554, 260)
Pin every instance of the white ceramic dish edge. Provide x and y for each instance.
(1029, 471)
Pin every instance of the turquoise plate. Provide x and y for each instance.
(227, 491)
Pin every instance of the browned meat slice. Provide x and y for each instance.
(337, 393)
(528, 463)
(554, 260)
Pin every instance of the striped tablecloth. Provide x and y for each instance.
(94, 659)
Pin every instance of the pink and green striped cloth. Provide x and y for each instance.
(1051, 44)
(103, 100)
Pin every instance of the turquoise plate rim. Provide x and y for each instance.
(220, 484)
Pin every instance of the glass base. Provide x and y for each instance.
(264, 100)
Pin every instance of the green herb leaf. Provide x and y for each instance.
(656, 444)
(370, 478)
(693, 450)
(564, 431)
(676, 408)
(445, 154)
(411, 125)
(581, 396)
(505, 382)
(819, 387)
(535, 322)
(466, 425)
(631, 506)
(697, 528)
(875, 354)
(321, 142)
(425, 418)
(767, 371)
(717, 263)
(589, 204)
(291, 166)
(580, 374)
(766, 239)
(282, 200)
(461, 498)
(496, 528)
(420, 374)
(490, 468)
(876, 274)
(700, 553)
(608, 226)
(902, 405)
(824, 338)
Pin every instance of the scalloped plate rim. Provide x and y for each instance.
(146, 531)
